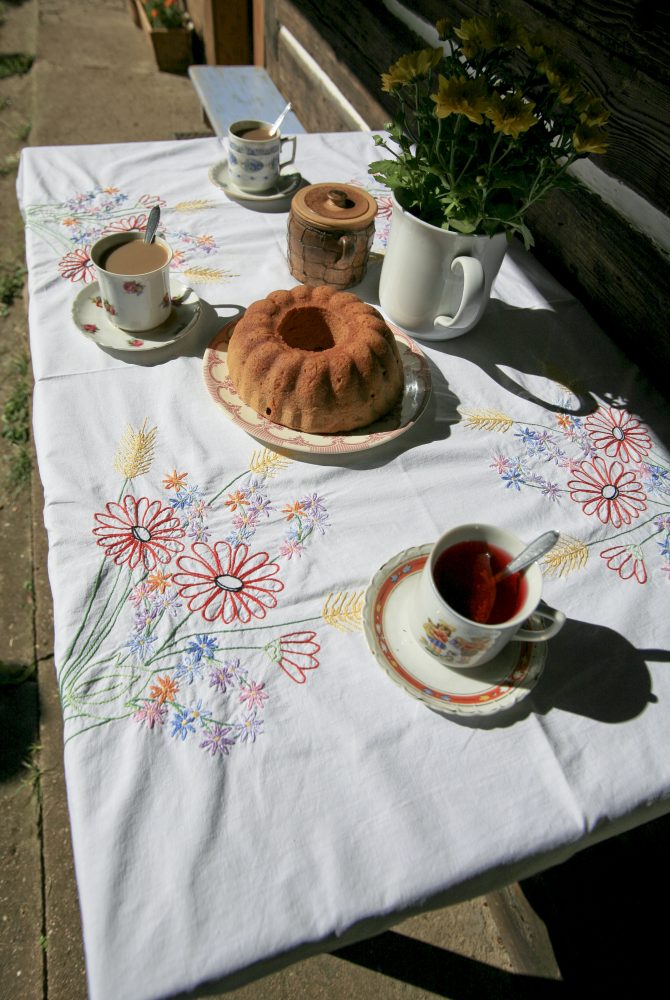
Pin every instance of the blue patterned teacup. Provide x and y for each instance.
(253, 155)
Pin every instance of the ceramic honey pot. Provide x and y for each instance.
(330, 232)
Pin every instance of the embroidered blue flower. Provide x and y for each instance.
(140, 644)
(189, 668)
(513, 479)
(203, 645)
(183, 723)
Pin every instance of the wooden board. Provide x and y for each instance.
(234, 93)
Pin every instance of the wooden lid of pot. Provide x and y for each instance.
(334, 207)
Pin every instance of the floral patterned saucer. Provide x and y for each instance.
(286, 185)
(91, 319)
(481, 691)
(403, 416)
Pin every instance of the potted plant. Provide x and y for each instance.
(486, 125)
(170, 32)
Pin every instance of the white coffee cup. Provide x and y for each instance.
(136, 301)
(253, 163)
(440, 625)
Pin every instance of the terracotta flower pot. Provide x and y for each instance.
(172, 47)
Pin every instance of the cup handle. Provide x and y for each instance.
(556, 621)
(473, 286)
(291, 139)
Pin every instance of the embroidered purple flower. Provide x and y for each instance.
(183, 723)
(166, 602)
(220, 678)
(151, 713)
(551, 490)
(250, 728)
(254, 695)
(662, 522)
(217, 740)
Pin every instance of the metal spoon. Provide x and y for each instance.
(277, 122)
(152, 224)
(529, 555)
(484, 582)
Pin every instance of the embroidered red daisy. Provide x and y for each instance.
(224, 582)
(627, 561)
(139, 532)
(618, 434)
(295, 653)
(76, 266)
(613, 495)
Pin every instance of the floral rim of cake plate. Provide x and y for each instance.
(284, 186)
(90, 318)
(417, 387)
(493, 687)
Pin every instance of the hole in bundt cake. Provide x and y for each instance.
(308, 329)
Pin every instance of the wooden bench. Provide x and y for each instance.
(235, 93)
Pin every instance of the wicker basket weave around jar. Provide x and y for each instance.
(330, 232)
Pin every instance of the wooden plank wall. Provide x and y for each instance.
(622, 50)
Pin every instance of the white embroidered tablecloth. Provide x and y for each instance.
(244, 781)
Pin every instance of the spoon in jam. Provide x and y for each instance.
(483, 594)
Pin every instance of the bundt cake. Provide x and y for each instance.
(315, 359)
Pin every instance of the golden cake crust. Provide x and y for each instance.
(315, 359)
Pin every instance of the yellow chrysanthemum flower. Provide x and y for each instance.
(591, 110)
(443, 26)
(561, 76)
(511, 115)
(410, 67)
(461, 96)
(483, 34)
(589, 139)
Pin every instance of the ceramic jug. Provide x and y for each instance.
(436, 283)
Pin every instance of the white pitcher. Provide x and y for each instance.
(436, 283)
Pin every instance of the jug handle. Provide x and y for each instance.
(473, 286)
(348, 244)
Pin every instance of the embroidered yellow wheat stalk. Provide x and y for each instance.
(135, 452)
(567, 555)
(343, 610)
(193, 206)
(487, 420)
(267, 463)
(207, 274)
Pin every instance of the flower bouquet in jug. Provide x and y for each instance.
(486, 126)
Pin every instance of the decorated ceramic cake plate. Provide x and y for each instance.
(403, 416)
(286, 185)
(91, 319)
(495, 686)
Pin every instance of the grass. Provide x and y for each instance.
(15, 421)
(15, 64)
(11, 286)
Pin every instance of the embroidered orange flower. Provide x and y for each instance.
(165, 689)
(236, 500)
(158, 581)
(291, 510)
(175, 480)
